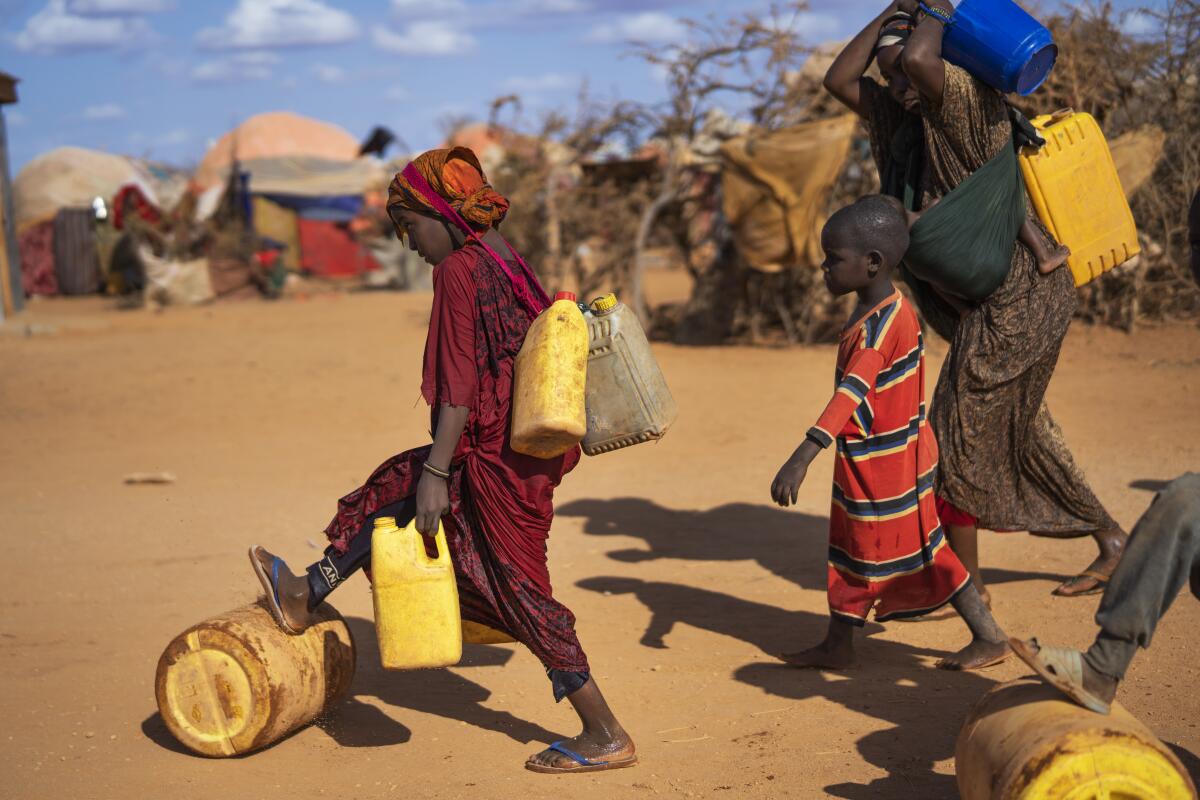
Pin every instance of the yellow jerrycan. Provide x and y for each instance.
(548, 410)
(416, 598)
(1025, 741)
(1077, 194)
(236, 683)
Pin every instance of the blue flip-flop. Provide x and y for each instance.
(582, 764)
(270, 585)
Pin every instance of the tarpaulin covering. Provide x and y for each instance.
(776, 187)
(308, 176)
(328, 250)
(273, 221)
(327, 209)
(36, 244)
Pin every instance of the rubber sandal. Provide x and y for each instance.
(1062, 668)
(581, 764)
(270, 585)
(1100, 579)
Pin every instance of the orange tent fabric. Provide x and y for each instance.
(274, 134)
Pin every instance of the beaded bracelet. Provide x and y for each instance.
(937, 13)
(432, 470)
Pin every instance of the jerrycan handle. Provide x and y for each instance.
(421, 556)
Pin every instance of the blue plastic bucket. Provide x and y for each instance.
(999, 43)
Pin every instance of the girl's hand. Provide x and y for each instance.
(433, 503)
(786, 486)
(909, 7)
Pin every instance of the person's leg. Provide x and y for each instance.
(835, 652)
(1111, 543)
(988, 644)
(1162, 553)
(602, 739)
(299, 595)
(964, 541)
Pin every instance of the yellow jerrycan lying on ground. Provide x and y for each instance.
(1025, 741)
(416, 598)
(1077, 194)
(628, 401)
(236, 683)
(548, 392)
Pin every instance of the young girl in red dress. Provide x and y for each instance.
(496, 505)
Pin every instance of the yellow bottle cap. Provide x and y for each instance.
(606, 303)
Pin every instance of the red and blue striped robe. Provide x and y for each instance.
(887, 550)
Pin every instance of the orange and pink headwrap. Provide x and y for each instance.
(457, 177)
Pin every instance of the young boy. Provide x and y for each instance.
(887, 550)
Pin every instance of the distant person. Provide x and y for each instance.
(1162, 555)
(496, 505)
(887, 550)
(1004, 464)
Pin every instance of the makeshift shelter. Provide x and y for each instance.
(305, 204)
(70, 177)
(272, 135)
(776, 187)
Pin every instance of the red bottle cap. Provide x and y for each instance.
(565, 296)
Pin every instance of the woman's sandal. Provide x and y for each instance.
(581, 764)
(1101, 584)
(1062, 668)
(270, 584)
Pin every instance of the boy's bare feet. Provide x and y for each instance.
(823, 656)
(978, 654)
(1051, 260)
(292, 590)
(836, 652)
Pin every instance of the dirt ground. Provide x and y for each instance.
(683, 577)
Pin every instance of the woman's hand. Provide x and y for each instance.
(433, 503)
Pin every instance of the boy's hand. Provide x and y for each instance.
(786, 486)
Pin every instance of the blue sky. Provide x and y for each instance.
(164, 78)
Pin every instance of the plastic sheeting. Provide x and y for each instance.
(328, 250)
(776, 188)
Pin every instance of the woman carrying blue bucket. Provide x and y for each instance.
(945, 144)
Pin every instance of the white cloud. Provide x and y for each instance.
(251, 66)
(652, 27)
(104, 111)
(813, 26)
(425, 38)
(329, 73)
(15, 118)
(117, 8)
(55, 29)
(177, 136)
(281, 23)
(1139, 23)
(423, 9)
(549, 82)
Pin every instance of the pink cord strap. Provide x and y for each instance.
(535, 300)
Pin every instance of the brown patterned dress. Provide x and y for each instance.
(1003, 459)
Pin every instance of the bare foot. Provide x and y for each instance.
(823, 656)
(1054, 259)
(614, 748)
(1112, 546)
(978, 654)
(292, 591)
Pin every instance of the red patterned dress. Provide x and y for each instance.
(501, 502)
(887, 550)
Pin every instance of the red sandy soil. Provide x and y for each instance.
(684, 578)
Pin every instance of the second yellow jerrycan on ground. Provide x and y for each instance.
(548, 409)
(416, 598)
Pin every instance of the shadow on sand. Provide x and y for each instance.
(788, 544)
